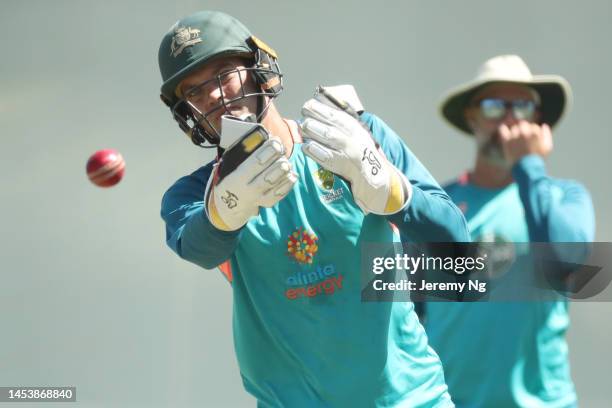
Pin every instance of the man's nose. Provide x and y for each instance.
(509, 119)
(214, 95)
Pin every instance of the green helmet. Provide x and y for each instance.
(193, 41)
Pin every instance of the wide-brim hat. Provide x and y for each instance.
(554, 91)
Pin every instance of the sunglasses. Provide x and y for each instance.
(493, 108)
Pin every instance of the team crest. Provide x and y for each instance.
(325, 178)
(184, 37)
(302, 246)
(501, 253)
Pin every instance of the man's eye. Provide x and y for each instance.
(226, 75)
(193, 93)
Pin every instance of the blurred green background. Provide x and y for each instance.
(90, 294)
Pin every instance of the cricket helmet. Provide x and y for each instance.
(199, 38)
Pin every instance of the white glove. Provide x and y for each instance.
(262, 180)
(341, 144)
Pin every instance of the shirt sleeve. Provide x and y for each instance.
(189, 233)
(556, 210)
(431, 216)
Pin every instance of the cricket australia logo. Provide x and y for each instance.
(500, 251)
(184, 37)
(302, 246)
(326, 179)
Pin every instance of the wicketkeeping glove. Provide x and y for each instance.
(341, 144)
(262, 180)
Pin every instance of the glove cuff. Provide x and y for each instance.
(210, 208)
(398, 193)
(214, 217)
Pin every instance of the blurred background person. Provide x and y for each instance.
(510, 354)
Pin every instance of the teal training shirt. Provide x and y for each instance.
(302, 336)
(512, 354)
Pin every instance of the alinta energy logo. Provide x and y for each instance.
(302, 246)
(310, 280)
(326, 180)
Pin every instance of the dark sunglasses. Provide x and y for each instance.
(494, 108)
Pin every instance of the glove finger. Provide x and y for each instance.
(323, 155)
(326, 135)
(279, 190)
(271, 176)
(331, 116)
(260, 160)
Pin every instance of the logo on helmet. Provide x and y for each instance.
(183, 38)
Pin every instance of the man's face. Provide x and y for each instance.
(495, 105)
(218, 82)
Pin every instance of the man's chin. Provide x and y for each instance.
(216, 129)
(240, 113)
(494, 155)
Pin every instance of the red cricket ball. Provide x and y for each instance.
(105, 168)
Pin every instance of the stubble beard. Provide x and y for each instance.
(491, 150)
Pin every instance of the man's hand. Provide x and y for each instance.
(525, 138)
(262, 180)
(341, 144)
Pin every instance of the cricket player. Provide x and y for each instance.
(510, 354)
(286, 224)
